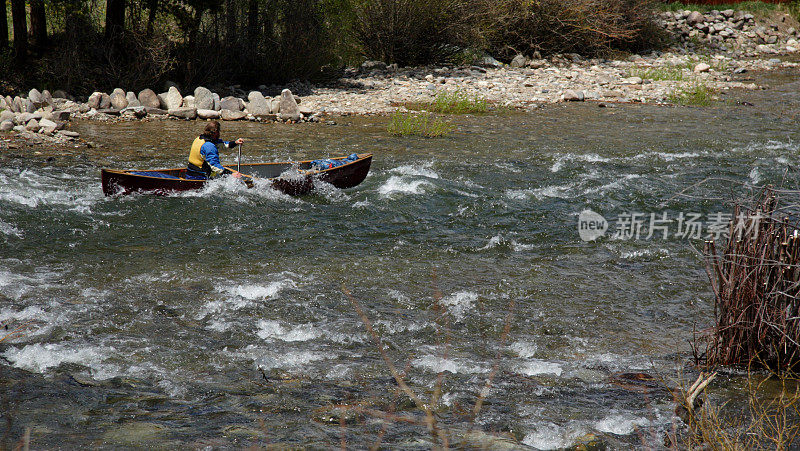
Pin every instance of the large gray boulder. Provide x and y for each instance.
(289, 108)
(7, 115)
(203, 98)
(257, 105)
(36, 97)
(228, 115)
(132, 100)
(188, 102)
(173, 99)
(203, 113)
(217, 106)
(19, 105)
(6, 126)
(94, 100)
(519, 61)
(231, 103)
(47, 126)
(61, 115)
(11, 104)
(149, 99)
(48, 98)
(32, 125)
(60, 94)
(573, 96)
(3, 103)
(134, 111)
(105, 101)
(695, 17)
(275, 105)
(29, 106)
(184, 113)
(118, 99)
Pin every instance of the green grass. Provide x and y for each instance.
(658, 73)
(411, 124)
(458, 102)
(695, 95)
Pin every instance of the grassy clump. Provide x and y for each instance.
(410, 124)
(695, 95)
(458, 102)
(769, 420)
(674, 73)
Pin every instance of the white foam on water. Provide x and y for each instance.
(39, 357)
(524, 349)
(268, 329)
(16, 286)
(396, 184)
(666, 156)
(755, 177)
(289, 360)
(438, 364)
(233, 188)
(535, 367)
(633, 255)
(553, 191)
(621, 424)
(32, 189)
(219, 325)
(362, 204)
(460, 303)
(619, 183)
(29, 313)
(395, 327)
(423, 170)
(9, 230)
(339, 372)
(547, 436)
(330, 192)
(587, 158)
(493, 242)
(253, 292)
(507, 167)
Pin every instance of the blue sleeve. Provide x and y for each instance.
(211, 154)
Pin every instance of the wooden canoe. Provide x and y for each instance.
(293, 182)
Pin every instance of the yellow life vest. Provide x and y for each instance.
(195, 157)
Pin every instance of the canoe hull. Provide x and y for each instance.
(116, 182)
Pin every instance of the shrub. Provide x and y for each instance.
(458, 102)
(695, 95)
(426, 125)
(587, 27)
(409, 32)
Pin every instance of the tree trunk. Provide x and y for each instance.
(252, 21)
(152, 6)
(20, 23)
(38, 24)
(115, 18)
(3, 26)
(230, 21)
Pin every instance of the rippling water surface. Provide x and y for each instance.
(148, 318)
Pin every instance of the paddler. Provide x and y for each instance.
(204, 156)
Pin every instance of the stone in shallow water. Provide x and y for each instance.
(228, 115)
(135, 434)
(184, 113)
(573, 96)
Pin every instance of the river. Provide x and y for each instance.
(219, 318)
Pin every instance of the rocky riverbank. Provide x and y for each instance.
(711, 50)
